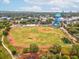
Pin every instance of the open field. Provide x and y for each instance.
(24, 36)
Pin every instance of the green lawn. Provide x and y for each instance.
(4, 54)
(39, 35)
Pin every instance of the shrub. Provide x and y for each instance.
(34, 48)
(13, 50)
(74, 57)
(65, 57)
(8, 29)
(0, 42)
(50, 56)
(66, 41)
(75, 50)
(66, 50)
(5, 33)
(55, 49)
(43, 57)
(54, 56)
(58, 56)
(26, 50)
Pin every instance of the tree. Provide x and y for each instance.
(5, 23)
(55, 49)
(34, 48)
(23, 22)
(49, 20)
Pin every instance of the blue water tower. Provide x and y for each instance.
(57, 21)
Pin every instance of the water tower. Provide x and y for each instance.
(58, 20)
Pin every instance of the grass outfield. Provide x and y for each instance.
(24, 36)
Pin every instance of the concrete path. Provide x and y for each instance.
(7, 48)
(72, 39)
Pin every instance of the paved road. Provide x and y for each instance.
(7, 48)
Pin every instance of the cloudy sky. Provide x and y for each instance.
(40, 5)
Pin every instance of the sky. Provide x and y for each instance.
(40, 5)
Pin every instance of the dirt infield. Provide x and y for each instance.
(11, 39)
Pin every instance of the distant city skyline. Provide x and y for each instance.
(40, 5)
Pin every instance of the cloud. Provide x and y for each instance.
(44, 5)
(38, 2)
(56, 9)
(31, 8)
(57, 5)
(5, 1)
